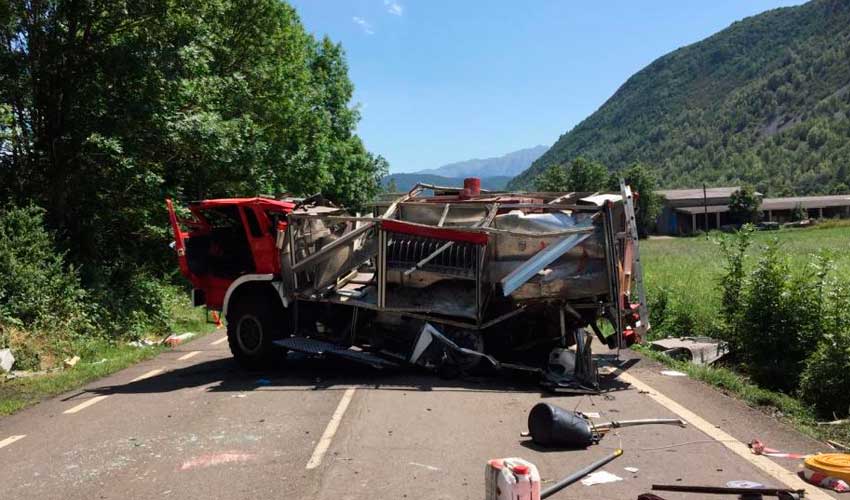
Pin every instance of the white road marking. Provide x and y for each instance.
(219, 341)
(11, 439)
(765, 464)
(86, 404)
(325, 442)
(148, 375)
(188, 355)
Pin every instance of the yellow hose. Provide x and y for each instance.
(832, 464)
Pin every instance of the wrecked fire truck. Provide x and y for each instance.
(451, 279)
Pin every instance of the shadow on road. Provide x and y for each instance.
(302, 373)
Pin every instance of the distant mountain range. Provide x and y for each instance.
(765, 102)
(495, 173)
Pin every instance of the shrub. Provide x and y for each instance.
(733, 248)
(43, 307)
(825, 383)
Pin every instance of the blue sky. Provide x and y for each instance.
(440, 81)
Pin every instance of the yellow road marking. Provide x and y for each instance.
(219, 341)
(765, 464)
(188, 355)
(11, 439)
(148, 375)
(86, 404)
(330, 430)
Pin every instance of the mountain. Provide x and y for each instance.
(404, 182)
(765, 102)
(507, 165)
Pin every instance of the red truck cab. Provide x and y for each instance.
(227, 240)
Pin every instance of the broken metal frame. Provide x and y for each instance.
(570, 238)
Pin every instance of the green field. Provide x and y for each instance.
(689, 268)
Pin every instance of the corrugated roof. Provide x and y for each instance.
(712, 209)
(697, 194)
(806, 202)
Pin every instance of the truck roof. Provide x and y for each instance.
(257, 200)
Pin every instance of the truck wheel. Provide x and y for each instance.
(252, 326)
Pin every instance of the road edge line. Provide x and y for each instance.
(765, 464)
(85, 404)
(11, 439)
(325, 442)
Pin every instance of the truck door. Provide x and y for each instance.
(261, 238)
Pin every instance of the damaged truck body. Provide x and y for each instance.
(455, 280)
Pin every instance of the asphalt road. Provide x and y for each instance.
(189, 424)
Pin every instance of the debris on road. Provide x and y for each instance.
(832, 464)
(743, 483)
(7, 360)
(575, 476)
(822, 480)
(212, 459)
(673, 373)
(758, 448)
(175, 340)
(510, 479)
(631, 469)
(697, 350)
(600, 477)
(552, 426)
(783, 494)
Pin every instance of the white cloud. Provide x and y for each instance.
(394, 8)
(367, 28)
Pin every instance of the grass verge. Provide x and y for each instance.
(777, 404)
(98, 358)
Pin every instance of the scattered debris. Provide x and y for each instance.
(71, 362)
(837, 446)
(590, 414)
(175, 340)
(758, 448)
(575, 476)
(6, 360)
(631, 469)
(831, 464)
(673, 373)
(104, 360)
(836, 422)
(824, 481)
(743, 483)
(784, 494)
(552, 426)
(510, 478)
(600, 477)
(212, 459)
(142, 343)
(698, 350)
(425, 466)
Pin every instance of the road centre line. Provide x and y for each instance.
(148, 374)
(86, 404)
(325, 442)
(11, 439)
(219, 341)
(767, 465)
(188, 355)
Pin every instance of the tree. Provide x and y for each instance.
(553, 179)
(108, 107)
(586, 176)
(744, 206)
(643, 182)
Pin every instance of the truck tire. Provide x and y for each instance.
(252, 325)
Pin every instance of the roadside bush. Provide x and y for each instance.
(780, 319)
(733, 248)
(825, 383)
(43, 307)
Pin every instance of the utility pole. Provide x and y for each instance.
(705, 205)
